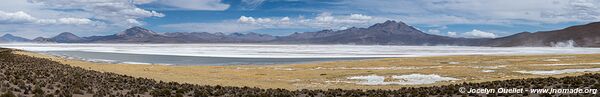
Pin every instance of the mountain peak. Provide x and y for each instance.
(389, 24)
(137, 28)
(67, 37)
(67, 34)
(8, 35)
(12, 38)
(137, 31)
(395, 27)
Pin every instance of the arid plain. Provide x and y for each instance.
(359, 74)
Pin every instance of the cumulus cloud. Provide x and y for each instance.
(133, 21)
(494, 12)
(472, 34)
(285, 20)
(115, 12)
(251, 20)
(433, 31)
(479, 34)
(360, 17)
(247, 23)
(73, 21)
(83, 17)
(140, 13)
(323, 20)
(16, 17)
(245, 19)
(327, 20)
(325, 17)
(24, 18)
(226, 27)
(452, 34)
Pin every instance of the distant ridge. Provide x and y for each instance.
(142, 35)
(68, 37)
(587, 35)
(43, 40)
(12, 38)
(386, 33)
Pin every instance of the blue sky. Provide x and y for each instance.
(456, 18)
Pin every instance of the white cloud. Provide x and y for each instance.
(495, 12)
(360, 17)
(324, 20)
(134, 22)
(434, 31)
(138, 12)
(248, 23)
(245, 19)
(16, 17)
(285, 19)
(328, 21)
(252, 20)
(82, 17)
(264, 20)
(113, 12)
(478, 34)
(251, 4)
(226, 27)
(73, 21)
(325, 17)
(195, 4)
(472, 34)
(24, 18)
(452, 34)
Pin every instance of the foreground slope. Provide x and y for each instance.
(29, 76)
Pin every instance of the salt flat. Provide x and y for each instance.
(296, 51)
(223, 54)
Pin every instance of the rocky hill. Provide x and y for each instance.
(12, 38)
(587, 35)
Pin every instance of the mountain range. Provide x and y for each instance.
(12, 38)
(387, 33)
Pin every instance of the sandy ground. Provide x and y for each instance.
(327, 75)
